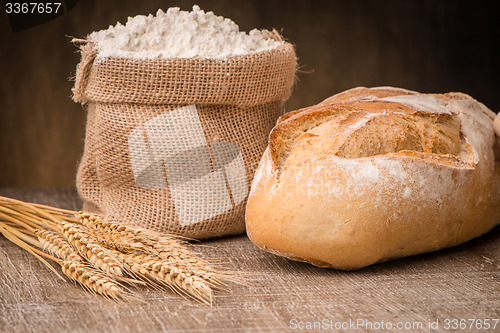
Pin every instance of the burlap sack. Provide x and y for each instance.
(172, 144)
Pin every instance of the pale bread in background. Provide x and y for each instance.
(373, 174)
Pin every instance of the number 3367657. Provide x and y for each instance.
(32, 7)
(479, 324)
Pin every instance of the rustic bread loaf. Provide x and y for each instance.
(374, 174)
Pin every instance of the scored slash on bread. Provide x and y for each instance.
(372, 174)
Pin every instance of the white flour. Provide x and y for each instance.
(179, 34)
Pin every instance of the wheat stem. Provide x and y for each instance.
(31, 208)
(17, 222)
(25, 217)
(6, 231)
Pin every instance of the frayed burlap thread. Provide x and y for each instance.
(167, 138)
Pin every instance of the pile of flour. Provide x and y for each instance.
(179, 34)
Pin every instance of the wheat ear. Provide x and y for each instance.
(144, 238)
(74, 267)
(57, 245)
(90, 249)
(91, 279)
(164, 273)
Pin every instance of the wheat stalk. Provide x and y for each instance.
(100, 254)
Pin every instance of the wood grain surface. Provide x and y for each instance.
(279, 294)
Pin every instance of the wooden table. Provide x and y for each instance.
(280, 295)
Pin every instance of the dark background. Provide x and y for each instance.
(428, 46)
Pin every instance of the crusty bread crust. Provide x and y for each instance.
(373, 174)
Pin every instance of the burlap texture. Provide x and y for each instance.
(172, 144)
